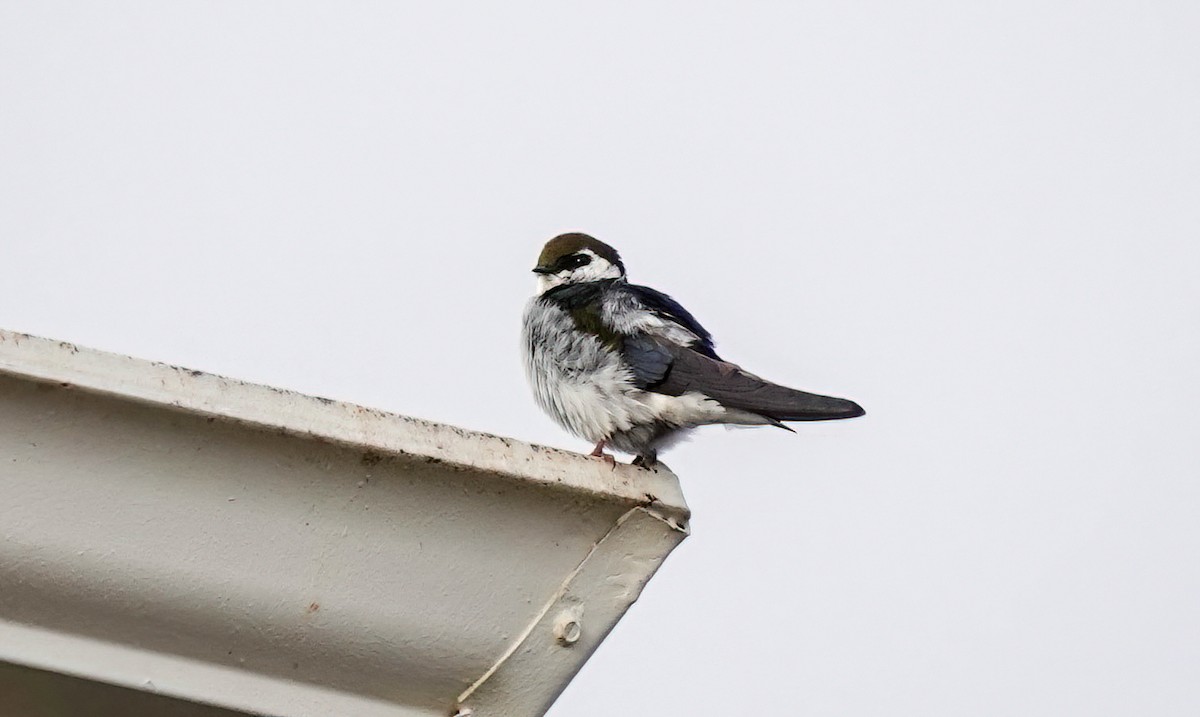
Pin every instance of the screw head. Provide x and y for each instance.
(567, 629)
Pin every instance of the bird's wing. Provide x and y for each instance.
(667, 310)
(673, 370)
(668, 352)
(613, 309)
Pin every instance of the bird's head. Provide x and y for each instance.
(575, 259)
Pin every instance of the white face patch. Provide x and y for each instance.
(595, 270)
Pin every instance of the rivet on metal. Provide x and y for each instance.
(567, 629)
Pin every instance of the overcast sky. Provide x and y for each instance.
(979, 220)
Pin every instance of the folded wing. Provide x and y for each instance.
(673, 370)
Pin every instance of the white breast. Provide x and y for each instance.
(585, 387)
(576, 379)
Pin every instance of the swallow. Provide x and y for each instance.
(627, 367)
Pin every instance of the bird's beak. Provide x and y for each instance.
(544, 270)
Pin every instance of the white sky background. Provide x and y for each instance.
(981, 221)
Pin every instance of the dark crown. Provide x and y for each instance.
(567, 244)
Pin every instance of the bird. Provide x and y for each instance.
(627, 367)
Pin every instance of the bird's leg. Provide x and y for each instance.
(598, 452)
(649, 459)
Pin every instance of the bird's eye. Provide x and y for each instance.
(577, 260)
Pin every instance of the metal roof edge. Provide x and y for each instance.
(198, 392)
(578, 617)
(221, 543)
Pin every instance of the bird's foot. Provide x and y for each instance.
(598, 452)
(648, 459)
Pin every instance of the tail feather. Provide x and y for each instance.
(788, 404)
(736, 388)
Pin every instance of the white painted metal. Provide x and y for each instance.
(260, 550)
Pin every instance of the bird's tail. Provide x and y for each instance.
(788, 404)
(680, 370)
(737, 389)
(746, 392)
